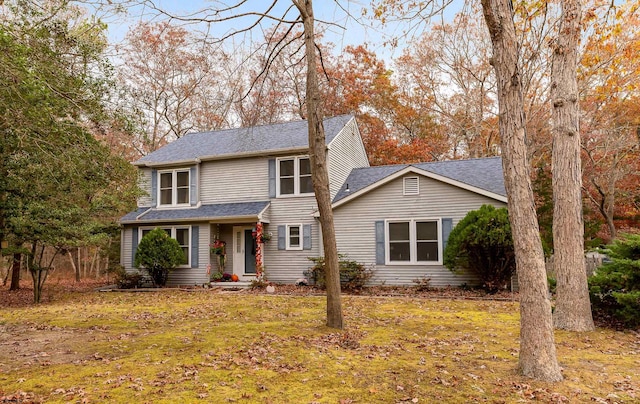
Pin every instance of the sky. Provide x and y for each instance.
(345, 27)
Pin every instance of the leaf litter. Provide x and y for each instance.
(209, 346)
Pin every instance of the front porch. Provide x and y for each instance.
(237, 252)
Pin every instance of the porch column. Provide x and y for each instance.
(259, 266)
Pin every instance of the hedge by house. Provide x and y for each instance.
(481, 243)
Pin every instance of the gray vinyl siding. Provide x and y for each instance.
(180, 276)
(346, 152)
(355, 226)
(125, 257)
(144, 182)
(235, 180)
(286, 266)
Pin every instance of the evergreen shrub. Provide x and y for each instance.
(615, 287)
(482, 244)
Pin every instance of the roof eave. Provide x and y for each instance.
(227, 156)
(167, 164)
(218, 219)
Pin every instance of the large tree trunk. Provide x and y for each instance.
(573, 308)
(319, 171)
(537, 347)
(15, 272)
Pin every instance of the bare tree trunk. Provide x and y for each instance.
(15, 272)
(537, 347)
(573, 308)
(73, 265)
(83, 256)
(319, 171)
(608, 205)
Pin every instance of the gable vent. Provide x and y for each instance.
(411, 186)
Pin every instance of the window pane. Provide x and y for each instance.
(185, 251)
(182, 235)
(286, 186)
(427, 230)
(427, 251)
(183, 195)
(306, 185)
(399, 251)
(165, 180)
(294, 236)
(165, 196)
(183, 178)
(399, 231)
(305, 166)
(286, 168)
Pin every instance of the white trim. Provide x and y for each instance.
(296, 176)
(239, 252)
(415, 170)
(173, 236)
(288, 245)
(174, 188)
(412, 241)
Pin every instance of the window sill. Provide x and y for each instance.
(409, 263)
(295, 195)
(168, 207)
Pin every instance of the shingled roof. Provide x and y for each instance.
(483, 174)
(241, 141)
(219, 211)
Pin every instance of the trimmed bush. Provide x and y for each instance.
(353, 275)
(615, 287)
(159, 254)
(482, 244)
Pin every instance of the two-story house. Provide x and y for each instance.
(250, 189)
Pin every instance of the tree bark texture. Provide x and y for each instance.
(573, 307)
(537, 347)
(15, 272)
(319, 170)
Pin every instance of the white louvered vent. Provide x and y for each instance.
(411, 186)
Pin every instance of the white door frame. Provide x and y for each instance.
(239, 253)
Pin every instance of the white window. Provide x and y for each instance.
(173, 188)
(411, 186)
(413, 241)
(294, 176)
(181, 233)
(294, 237)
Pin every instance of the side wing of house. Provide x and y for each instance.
(400, 228)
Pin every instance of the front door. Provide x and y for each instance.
(244, 253)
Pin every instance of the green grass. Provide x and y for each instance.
(207, 346)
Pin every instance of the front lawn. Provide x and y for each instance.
(212, 346)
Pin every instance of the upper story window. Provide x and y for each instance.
(294, 176)
(174, 187)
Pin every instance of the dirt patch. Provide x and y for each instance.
(28, 345)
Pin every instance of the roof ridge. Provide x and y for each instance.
(262, 125)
